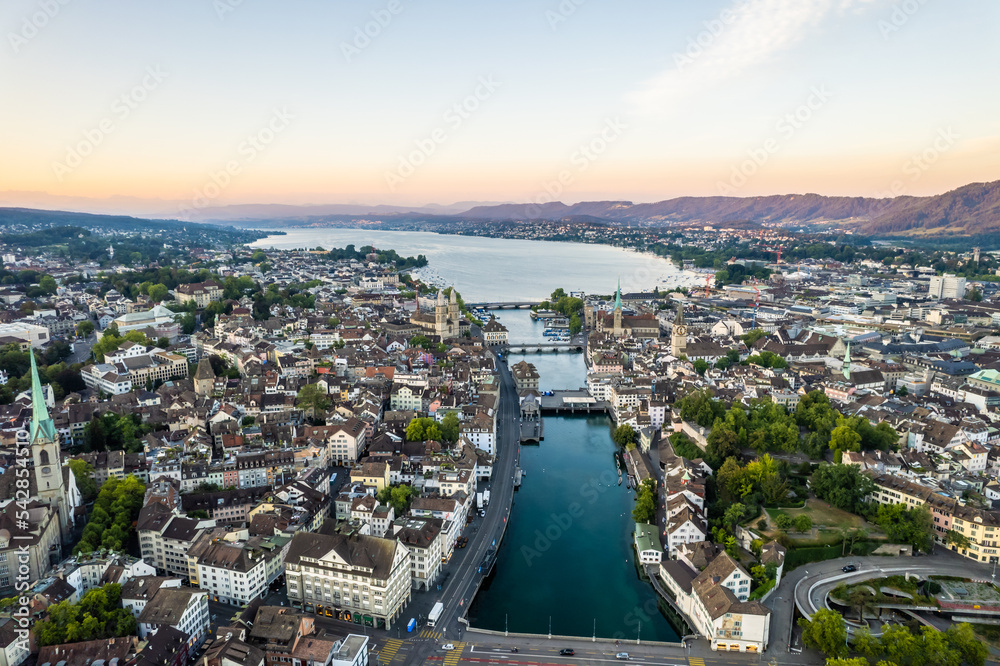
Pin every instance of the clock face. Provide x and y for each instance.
(680, 330)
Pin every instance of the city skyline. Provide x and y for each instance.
(387, 103)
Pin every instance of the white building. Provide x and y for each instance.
(184, 609)
(714, 604)
(947, 286)
(361, 574)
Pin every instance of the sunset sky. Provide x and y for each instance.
(214, 102)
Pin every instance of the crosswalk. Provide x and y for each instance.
(429, 633)
(453, 657)
(696, 661)
(389, 650)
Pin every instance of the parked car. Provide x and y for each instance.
(849, 568)
(567, 652)
(622, 655)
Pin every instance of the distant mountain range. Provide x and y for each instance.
(969, 210)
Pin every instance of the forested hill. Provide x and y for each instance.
(969, 210)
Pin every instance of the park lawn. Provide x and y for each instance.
(827, 522)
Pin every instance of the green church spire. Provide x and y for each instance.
(847, 362)
(618, 295)
(41, 423)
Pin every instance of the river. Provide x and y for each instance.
(495, 269)
(568, 552)
(567, 557)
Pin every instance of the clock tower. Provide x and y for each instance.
(678, 334)
(46, 454)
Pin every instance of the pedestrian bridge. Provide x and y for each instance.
(503, 305)
(544, 347)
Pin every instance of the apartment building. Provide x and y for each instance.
(166, 537)
(713, 603)
(184, 609)
(202, 293)
(365, 576)
(979, 526)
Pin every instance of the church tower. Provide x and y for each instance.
(678, 334)
(847, 362)
(441, 316)
(454, 316)
(619, 331)
(204, 377)
(45, 451)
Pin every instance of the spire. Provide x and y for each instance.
(440, 297)
(679, 319)
(618, 295)
(454, 296)
(41, 424)
(847, 362)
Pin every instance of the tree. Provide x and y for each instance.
(645, 503)
(398, 497)
(752, 336)
(200, 514)
(735, 512)
(313, 400)
(803, 523)
(843, 486)
(843, 438)
(625, 436)
(83, 472)
(701, 365)
(902, 391)
(450, 427)
(85, 328)
(958, 540)
(423, 429)
(158, 292)
(783, 521)
(907, 525)
(48, 284)
(825, 632)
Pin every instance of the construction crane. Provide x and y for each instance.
(708, 280)
(778, 250)
(756, 302)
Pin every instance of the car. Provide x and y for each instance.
(448, 646)
(622, 655)
(849, 568)
(567, 652)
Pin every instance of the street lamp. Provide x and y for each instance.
(594, 638)
(637, 632)
(505, 624)
(550, 626)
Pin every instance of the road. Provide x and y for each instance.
(796, 585)
(81, 350)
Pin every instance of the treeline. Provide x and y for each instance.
(111, 521)
(98, 615)
(812, 428)
(81, 237)
(381, 256)
(52, 369)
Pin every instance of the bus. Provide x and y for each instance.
(435, 614)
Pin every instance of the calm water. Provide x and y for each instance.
(557, 371)
(568, 551)
(486, 269)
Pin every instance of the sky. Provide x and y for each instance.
(144, 105)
